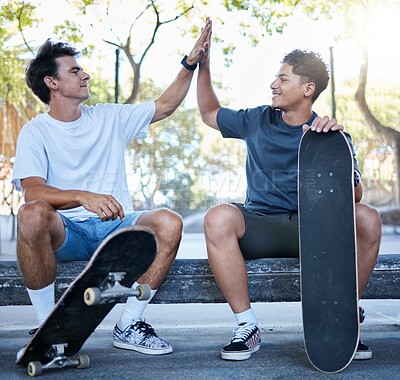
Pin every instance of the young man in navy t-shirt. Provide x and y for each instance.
(266, 224)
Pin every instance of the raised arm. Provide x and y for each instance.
(173, 96)
(206, 98)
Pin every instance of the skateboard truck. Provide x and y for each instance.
(58, 360)
(111, 289)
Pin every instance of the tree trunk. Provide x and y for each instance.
(388, 135)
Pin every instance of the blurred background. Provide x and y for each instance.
(132, 50)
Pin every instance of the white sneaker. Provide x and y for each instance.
(21, 350)
(363, 352)
(140, 337)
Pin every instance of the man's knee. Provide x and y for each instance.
(213, 215)
(368, 221)
(35, 214)
(164, 222)
(369, 229)
(223, 219)
(170, 221)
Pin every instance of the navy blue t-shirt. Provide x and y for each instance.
(272, 155)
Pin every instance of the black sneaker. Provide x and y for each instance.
(363, 352)
(246, 340)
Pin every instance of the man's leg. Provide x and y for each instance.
(132, 332)
(224, 225)
(167, 225)
(40, 231)
(368, 231)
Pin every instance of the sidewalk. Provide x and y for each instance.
(197, 332)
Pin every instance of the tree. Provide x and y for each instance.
(166, 160)
(366, 10)
(148, 12)
(14, 97)
(256, 19)
(259, 18)
(16, 103)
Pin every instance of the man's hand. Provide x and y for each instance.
(324, 124)
(201, 45)
(105, 206)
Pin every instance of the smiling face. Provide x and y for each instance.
(288, 90)
(70, 82)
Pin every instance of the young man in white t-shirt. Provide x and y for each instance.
(70, 166)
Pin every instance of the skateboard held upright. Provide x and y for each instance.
(106, 280)
(328, 263)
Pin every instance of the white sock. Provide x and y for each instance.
(133, 309)
(246, 316)
(43, 301)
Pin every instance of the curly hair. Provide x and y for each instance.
(310, 67)
(45, 64)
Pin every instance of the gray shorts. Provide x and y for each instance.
(269, 235)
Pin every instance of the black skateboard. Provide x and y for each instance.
(106, 280)
(328, 265)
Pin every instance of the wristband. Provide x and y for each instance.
(187, 66)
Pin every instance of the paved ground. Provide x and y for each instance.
(198, 332)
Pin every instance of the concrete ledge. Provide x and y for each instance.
(191, 281)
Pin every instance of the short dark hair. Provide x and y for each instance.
(45, 64)
(310, 67)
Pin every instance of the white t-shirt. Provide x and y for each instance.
(86, 154)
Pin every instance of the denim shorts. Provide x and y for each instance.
(83, 237)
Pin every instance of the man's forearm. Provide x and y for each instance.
(173, 96)
(59, 199)
(207, 99)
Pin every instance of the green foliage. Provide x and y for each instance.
(384, 104)
(83, 5)
(171, 160)
(262, 18)
(384, 101)
(12, 83)
(166, 160)
(20, 10)
(71, 32)
(14, 16)
(101, 91)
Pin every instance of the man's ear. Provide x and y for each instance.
(50, 83)
(309, 89)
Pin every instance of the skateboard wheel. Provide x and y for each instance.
(84, 361)
(92, 296)
(145, 292)
(35, 369)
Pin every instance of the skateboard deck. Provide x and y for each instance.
(328, 265)
(117, 263)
